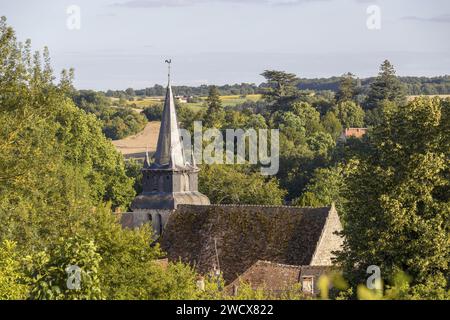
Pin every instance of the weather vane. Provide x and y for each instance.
(169, 61)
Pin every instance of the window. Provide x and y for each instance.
(158, 224)
(308, 285)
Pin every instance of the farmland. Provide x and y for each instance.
(227, 101)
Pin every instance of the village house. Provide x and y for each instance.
(352, 132)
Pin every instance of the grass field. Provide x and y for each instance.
(230, 100)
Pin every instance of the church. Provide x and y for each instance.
(272, 246)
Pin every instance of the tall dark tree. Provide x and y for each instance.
(281, 89)
(386, 87)
(347, 88)
(216, 114)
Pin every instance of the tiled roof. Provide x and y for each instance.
(276, 277)
(355, 132)
(242, 235)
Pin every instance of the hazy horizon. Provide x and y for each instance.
(123, 43)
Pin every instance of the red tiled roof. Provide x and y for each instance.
(355, 132)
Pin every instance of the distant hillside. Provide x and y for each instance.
(415, 86)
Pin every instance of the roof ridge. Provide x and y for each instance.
(259, 206)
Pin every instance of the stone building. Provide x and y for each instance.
(170, 180)
(231, 238)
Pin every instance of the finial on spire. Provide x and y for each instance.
(169, 61)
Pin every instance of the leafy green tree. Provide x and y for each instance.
(117, 122)
(131, 267)
(347, 88)
(55, 163)
(323, 189)
(332, 125)
(133, 169)
(374, 117)
(13, 281)
(70, 271)
(154, 112)
(186, 116)
(397, 207)
(130, 92)
(349, 114)
(226, 184)
(386, 87)
(321, 143)
(308, 115)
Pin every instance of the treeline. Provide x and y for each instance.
(158, 90)
(118, 120)
(413, 85)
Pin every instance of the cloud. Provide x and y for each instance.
(185, 3)
(444, 18)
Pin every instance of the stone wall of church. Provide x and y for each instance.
(157, 217)
(329, 241)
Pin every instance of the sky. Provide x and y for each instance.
(116, 44)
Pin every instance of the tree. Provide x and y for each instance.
(280, 90)
(332, 125)
(280, 84)
(215, 114)
(130, 92)
(13, 281)
(154, 112)
(397, 207)
(349, 114)
(70, 271)
(386, 87)
(347, 88)
(323, 189)
(225, 184)
(308, 115)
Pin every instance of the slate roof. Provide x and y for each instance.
(242, 235)
(169, 153)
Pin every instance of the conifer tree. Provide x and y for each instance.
(386, 87)
(215, 115)
(347, 88)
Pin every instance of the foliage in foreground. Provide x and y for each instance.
(397, 207)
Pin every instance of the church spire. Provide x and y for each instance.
(169, 151)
